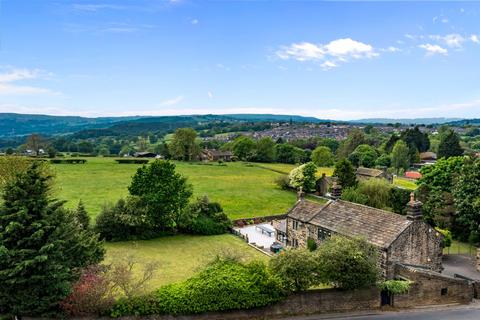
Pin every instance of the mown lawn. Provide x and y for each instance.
(179, 257)
(285, 168)
(404, 183)
(244, 191)
(458, 247)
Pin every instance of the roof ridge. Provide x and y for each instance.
(386, 212)
(322, 207)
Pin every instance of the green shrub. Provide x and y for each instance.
(347, 263)
(447, 237)
(311, 244)
(396, 286)
(204, 217)
(298, 269)
(126, 220)
(224, 285)
(283, 182)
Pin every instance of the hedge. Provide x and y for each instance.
(224, 285)
(130, 161)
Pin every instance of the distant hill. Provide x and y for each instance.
(14, 124)
(425, 121)
(464, 122)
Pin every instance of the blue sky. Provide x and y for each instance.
(337, 60)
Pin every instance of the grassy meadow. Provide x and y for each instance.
(243, 190)
(179, 257)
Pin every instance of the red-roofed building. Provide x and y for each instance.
(413, 175)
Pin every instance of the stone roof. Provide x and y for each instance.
(428, 156)
(379, 227)
(368, 172)
(218, 153)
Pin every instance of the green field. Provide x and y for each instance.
(404, 183)
(244, 191)
(180, 257)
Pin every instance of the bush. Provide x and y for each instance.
(447, 237)
(283, 182)
(223, 285)
(298, 269)
(311, 244)
(204, 217)
(304, 177)
(126, 220)
(347, 263)
(396, 286)
(132, 161)
(91, 294)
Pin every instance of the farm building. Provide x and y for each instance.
(145, 155)
(415, 175)
(216, 155)
(399, 239)
(368, 173)
(428, 157)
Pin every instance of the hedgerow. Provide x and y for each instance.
(224, 285)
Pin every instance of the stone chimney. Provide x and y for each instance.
(336, 191)
(300, 194)
(414, 209)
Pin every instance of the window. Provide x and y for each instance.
(294, 243)
(323, 233)
(444, 291)
(295, 225)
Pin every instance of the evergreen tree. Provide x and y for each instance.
(449, 145)
(345, 173)
(81, 216)
(42, 249)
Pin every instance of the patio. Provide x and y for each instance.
(262, 235)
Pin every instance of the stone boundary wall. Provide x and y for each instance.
(257, 220)
(311, 302)
(431, 288)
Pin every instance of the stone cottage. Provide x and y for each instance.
(399, 239)
(370, 173)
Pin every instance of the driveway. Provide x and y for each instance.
(460, 264)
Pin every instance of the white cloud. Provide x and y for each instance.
(328, 55)
(172, 102)
(96, 7)
(302, 52)
(194, 21)
(19, 74)
(350, 48)
(453, 40)
(391, 49)
(210, 94)
(328, 65)
(432, 49)
(474, 38)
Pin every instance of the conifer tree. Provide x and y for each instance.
(81, 216)
(42, 248)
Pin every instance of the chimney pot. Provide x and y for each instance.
(414, 208)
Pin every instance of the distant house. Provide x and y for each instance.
(216, 155)
(145, 155)
(428, 157)
(415, 175)
(369, 173)
(399, 239)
